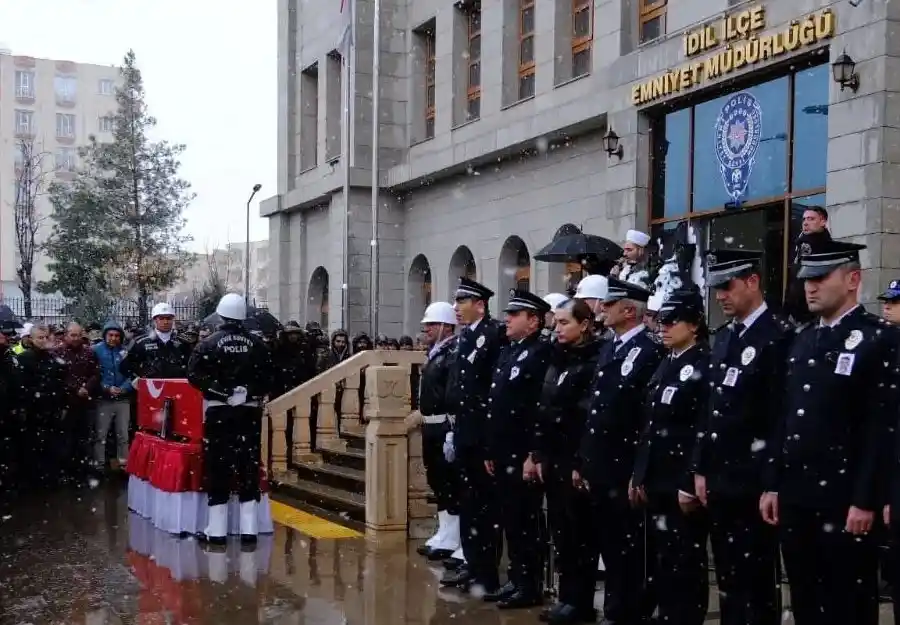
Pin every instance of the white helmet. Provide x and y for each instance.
(555, 300)
(232, 306)
(440, 312)
(162, 310)
(592, 287)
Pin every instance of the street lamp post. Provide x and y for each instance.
(256, 189)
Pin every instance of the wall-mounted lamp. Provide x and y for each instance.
(843, 70)
(611, 144)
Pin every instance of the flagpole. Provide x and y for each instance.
(376, 101)
(346, 148)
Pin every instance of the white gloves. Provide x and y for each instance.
(238, 396)
(449, 449)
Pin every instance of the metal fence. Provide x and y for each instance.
(55, 310)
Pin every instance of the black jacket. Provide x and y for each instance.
(151, 357)
(795, 305)
(514, 399)
(43, 376)
(748, 374)
(565, 400)
(838, 409)
(435, 381)
(673, 410)
(607, 448)
(476, 357)
(229, 358)
(294, 364)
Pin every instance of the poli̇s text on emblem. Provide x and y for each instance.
(738, 131)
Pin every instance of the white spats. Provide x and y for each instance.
(217, 525)
(249, 518)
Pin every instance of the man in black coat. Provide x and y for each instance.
(827, 478)
(747, 373)
(478, 348)
(160, 353)
(607, 451)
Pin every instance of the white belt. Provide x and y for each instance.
(434, 419)
(216, 402)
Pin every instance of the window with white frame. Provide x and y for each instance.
(66, 159)
(65, 126)
(24, 122)
(24, 84)
(19, 156)
(65, 88)
(107, 123)
(107, 87)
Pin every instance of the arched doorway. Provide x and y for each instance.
(418, 290)
(565, 276)
(462, 264)
(515, 268)
(318, 298)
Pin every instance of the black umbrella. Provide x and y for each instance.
(8, 317)
(214, 321)
(267, 322)
(579, 246)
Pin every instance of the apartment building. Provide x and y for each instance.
(504, 123)
(54, 106)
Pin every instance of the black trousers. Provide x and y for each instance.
(833, 575)
(231, 449)
(78, 427)
(569, 515)
(521, 506)
(479, 521)
(443, 478)
(678, 560)
(745, 550)
(619, 532)
(891, 567)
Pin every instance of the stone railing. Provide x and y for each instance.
(396, 492)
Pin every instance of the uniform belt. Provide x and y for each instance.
(434, 419)
(216, 402)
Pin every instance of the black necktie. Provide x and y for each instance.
(738, 329)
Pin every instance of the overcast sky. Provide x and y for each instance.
(210, 73)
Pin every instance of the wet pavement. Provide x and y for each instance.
(80, 558)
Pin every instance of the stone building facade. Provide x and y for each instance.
(492, 124)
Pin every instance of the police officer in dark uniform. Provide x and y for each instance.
(747, 373)
(827, 483)
(663, 482)
(478, 348)
(10, 404)
(607, 451)
(513, 405)
(160, 353)
(234, 371)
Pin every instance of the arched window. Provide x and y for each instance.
(462, 264)
(515, 268)
(418, 290)
(318, 298)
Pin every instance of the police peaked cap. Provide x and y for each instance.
(892, 293)
(469, 289)
(724, 265)
(524, 300)
(826, 255)
(682, 305)
(619, 289)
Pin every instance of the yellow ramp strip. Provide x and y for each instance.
(311, 525)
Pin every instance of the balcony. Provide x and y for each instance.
(25, 93)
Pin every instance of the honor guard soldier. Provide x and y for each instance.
(161, 353)
(747, 371)
(435, 387)
(513, 405)
(890, 302)
(607, 450)
(478, 347)
(234, 371)
(827, 483)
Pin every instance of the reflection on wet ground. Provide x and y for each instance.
(81, 559)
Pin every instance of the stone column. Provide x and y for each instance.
(387, 457)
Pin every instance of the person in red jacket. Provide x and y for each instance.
(82, 383)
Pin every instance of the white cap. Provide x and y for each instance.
(655, 301)
(555, 300)
(162, 310)
(592, 287)
(637, 237)
(232, 306)
(440, 312)
(26, 330)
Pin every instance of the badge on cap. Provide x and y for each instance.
(894, 285)
(627, 368)
(748, 355)
(480, 342)
(711, 259)
(853, 340)
(523, 356)
(686, 372)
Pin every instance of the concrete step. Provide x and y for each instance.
(343, 503)
(350, 458)
(333, 475)
(354, 439)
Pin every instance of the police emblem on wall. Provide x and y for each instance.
(738, 131)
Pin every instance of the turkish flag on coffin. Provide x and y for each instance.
(186, 407)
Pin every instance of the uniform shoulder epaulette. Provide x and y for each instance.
(718, 329)
(801, 328)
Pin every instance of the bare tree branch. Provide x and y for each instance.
(31, 182)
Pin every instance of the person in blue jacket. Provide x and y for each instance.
(114, 405)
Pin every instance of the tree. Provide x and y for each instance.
(127, 202)
(30, 184)
(215, 284)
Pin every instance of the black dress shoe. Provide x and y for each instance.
(506, 591)
(439, 554)
(212, 540)
(248, 539)
(423, 550)
(461, 578)
(451, 564)
(546, 613)
(521, 599)
(566, 614)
